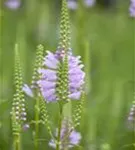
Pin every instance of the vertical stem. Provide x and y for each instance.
(17, 143)
(59, 127)
(36, 124)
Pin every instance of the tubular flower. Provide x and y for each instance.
(89, 3)
(53, 77)
(132, 8)
(69, 137)
(27, 90)
(72, 4)
(13, 4)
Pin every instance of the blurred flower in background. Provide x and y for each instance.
(13, 4)
(89, 3)
(131, 117)
(69, 137)
(25, 127)
(73, 139)
(132, 8)
(72, 4)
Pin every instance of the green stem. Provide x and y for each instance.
(17, 142)
(59, 127)
(36, 124)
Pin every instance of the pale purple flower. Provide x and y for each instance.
(25, 127)
(74, 138)
(89, 3)
(75, 95)
(13, 4)
(48, 74)
(48, 80)
(69, 137)
(72, 4)
(132, 8)
(27, 90)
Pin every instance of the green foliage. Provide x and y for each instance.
(35, 78)
(62, 89)
(18, 113)
(44, 115)
(38, 64)
(78, 111)
(64, 28)
(111, 38)
(18, 106)
(62, 85)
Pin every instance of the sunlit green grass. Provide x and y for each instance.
(110, 37)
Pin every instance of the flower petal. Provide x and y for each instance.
(77, 78)
(76, 84)
(51, 61)
(27, 90)
(52, 57)
(75, 137)
(74, 61)
(13, 4)
(75, 95)
(50, 64)
(52, 143)
(48, 74)
(46, 84)
(72, 5)
(49, 95)
(75, 71)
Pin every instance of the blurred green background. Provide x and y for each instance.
(104, 37)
